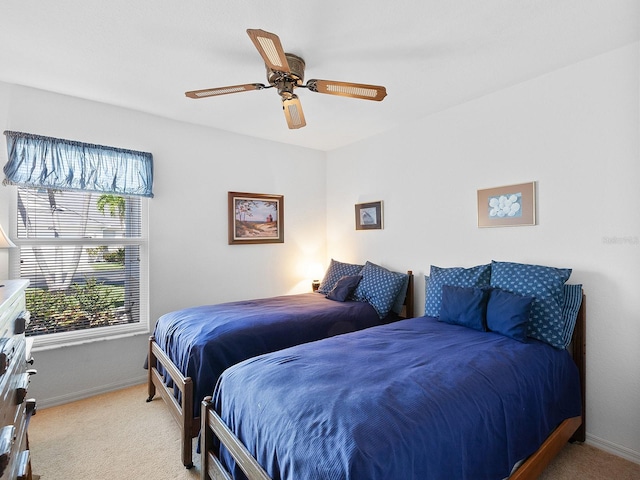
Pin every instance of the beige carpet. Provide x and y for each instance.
(584, 462)
(118, 436)
(115, 436)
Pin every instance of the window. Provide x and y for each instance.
(85, 256)
(80, 224)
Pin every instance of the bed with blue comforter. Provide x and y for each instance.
(203, 341)
(415, 399)
(191, 347)
(489, 383)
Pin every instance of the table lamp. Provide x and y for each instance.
(4, 240)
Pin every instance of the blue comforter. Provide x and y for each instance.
(415, 399)
(203, 341)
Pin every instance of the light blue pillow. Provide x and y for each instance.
(466, 306)
(335, 272)
(478, 276)
(508, 314)
(379, 287)
(571, 306)
(546, 285)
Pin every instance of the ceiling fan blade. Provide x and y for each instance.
(293, 112)
(214, 92)
(346, 89)
(270, 48)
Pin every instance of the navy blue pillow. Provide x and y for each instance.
(334, 272)
(478, 276)
(464, 306)
(508, 314)
(344, 287)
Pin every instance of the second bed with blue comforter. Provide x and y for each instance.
(414, 399)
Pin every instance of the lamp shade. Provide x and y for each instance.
(4, 240)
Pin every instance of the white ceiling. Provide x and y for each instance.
(430, 54)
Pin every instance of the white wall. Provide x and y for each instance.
(191, 262)
(576, 133)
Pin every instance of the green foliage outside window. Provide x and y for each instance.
(92, 304)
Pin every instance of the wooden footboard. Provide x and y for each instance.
(533, 467)
(182, 411)
(579, 353)
(211, 468)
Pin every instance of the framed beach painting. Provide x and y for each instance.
(369, 216)
(255, 218)
(510, 205)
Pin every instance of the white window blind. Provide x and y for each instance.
(85, 256)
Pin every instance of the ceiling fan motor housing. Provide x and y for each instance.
(285, 82)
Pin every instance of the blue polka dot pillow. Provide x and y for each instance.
(546, 286)
(379, 287)
(478, 276)
(335, 272)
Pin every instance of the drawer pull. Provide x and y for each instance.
(21, 390)
(7, 437)
(20, 325)
(30, 407)
(24, 466)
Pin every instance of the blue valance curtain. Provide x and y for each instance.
(37, 161)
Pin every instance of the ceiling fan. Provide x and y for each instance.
(285, 72)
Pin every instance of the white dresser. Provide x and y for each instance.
(15, 362)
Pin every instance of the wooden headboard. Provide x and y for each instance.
(577, 348)
(407, 309)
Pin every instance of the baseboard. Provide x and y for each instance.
(81, 395)
(613, 448)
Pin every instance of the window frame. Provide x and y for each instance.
(62, 339)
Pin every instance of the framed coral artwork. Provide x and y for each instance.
(510, 205)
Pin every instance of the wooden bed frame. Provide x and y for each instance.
(572, 429)
(182, 410)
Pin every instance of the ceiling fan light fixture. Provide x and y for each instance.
(285, 87)
(293, 112)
